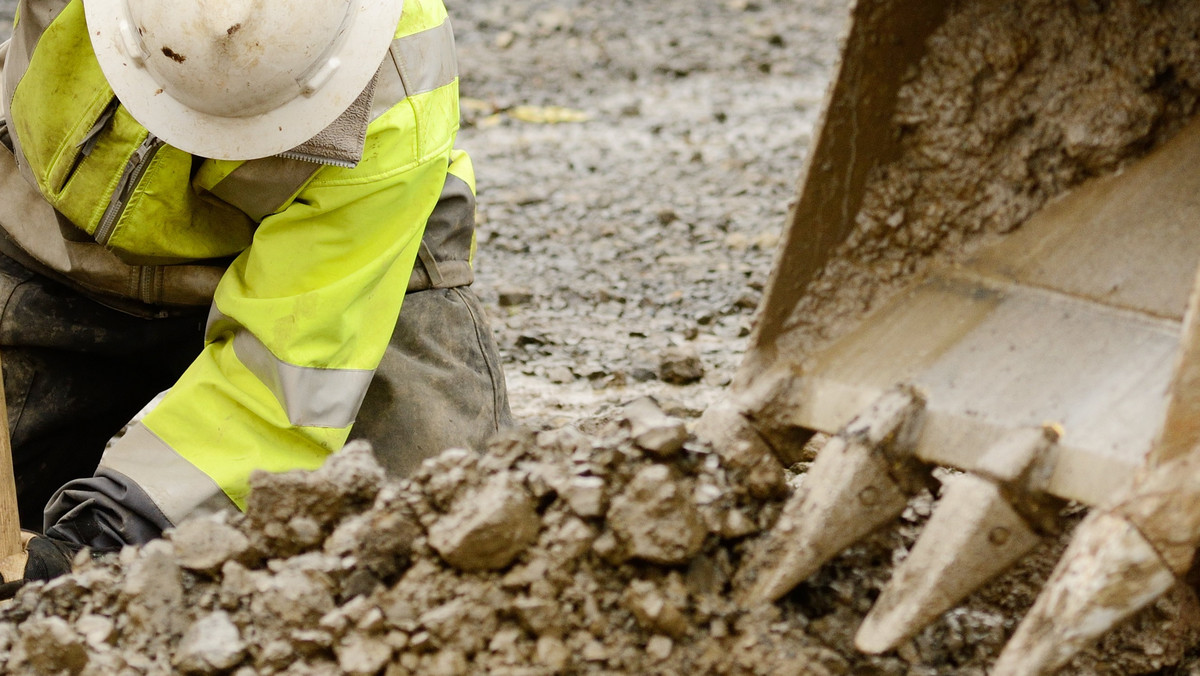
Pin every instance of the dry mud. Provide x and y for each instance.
(620, 256)
(552, 553)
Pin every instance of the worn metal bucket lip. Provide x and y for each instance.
(1074, 319)
(984, 372)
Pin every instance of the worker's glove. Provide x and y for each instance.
(43, 558)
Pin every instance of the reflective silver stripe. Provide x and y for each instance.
(422, 62)
(178, 488)
(311, 397)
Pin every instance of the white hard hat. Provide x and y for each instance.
(239, 79)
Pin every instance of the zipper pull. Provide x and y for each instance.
(93, 136)
(135, 160)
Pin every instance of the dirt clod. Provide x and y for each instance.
(653, 430)
(488, 528)
(206, 544)
(212, 644)
(51, 646)
(680, 366)
(655, 519)
(514, 297)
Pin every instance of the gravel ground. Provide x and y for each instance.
(645, 233)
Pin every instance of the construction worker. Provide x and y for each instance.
(229, 200)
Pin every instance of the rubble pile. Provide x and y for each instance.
(550, 553)
(546, 554)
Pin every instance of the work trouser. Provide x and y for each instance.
(75, 371)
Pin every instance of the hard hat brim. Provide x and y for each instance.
(242, 138)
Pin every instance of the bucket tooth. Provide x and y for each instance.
(859, 482)
(982, 525)
(1108, 572)
(848, 494)
(973, 535)
(1164, 505)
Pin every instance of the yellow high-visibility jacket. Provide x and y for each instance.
(322, 252)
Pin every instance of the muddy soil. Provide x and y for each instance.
(635, 164)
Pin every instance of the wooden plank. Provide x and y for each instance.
(10, 521)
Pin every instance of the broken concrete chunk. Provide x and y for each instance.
(153, 579)
(594, 651)
(505, 640)
(354, 469)
(97, 630)
(372, 620)
(380, 540)
(305, 531)
(311, 640)
(352, 612)
(362, 654)
(237, 584)
(206, 544)
(525, 574)
(585, 495)
(572, 539)
(539, 615)
(545, 478)
(654, 431)
(487, 528)
(740, 445)
(447, 474)
(565, 440)
(445, 621)
(211, 645)
(655, 519)
(753, 466)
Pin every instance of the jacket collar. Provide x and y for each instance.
(341, 143)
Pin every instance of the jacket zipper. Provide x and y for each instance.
(134, 169)
(147, 284)
(316, 159)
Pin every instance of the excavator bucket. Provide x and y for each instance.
(1029, 326)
